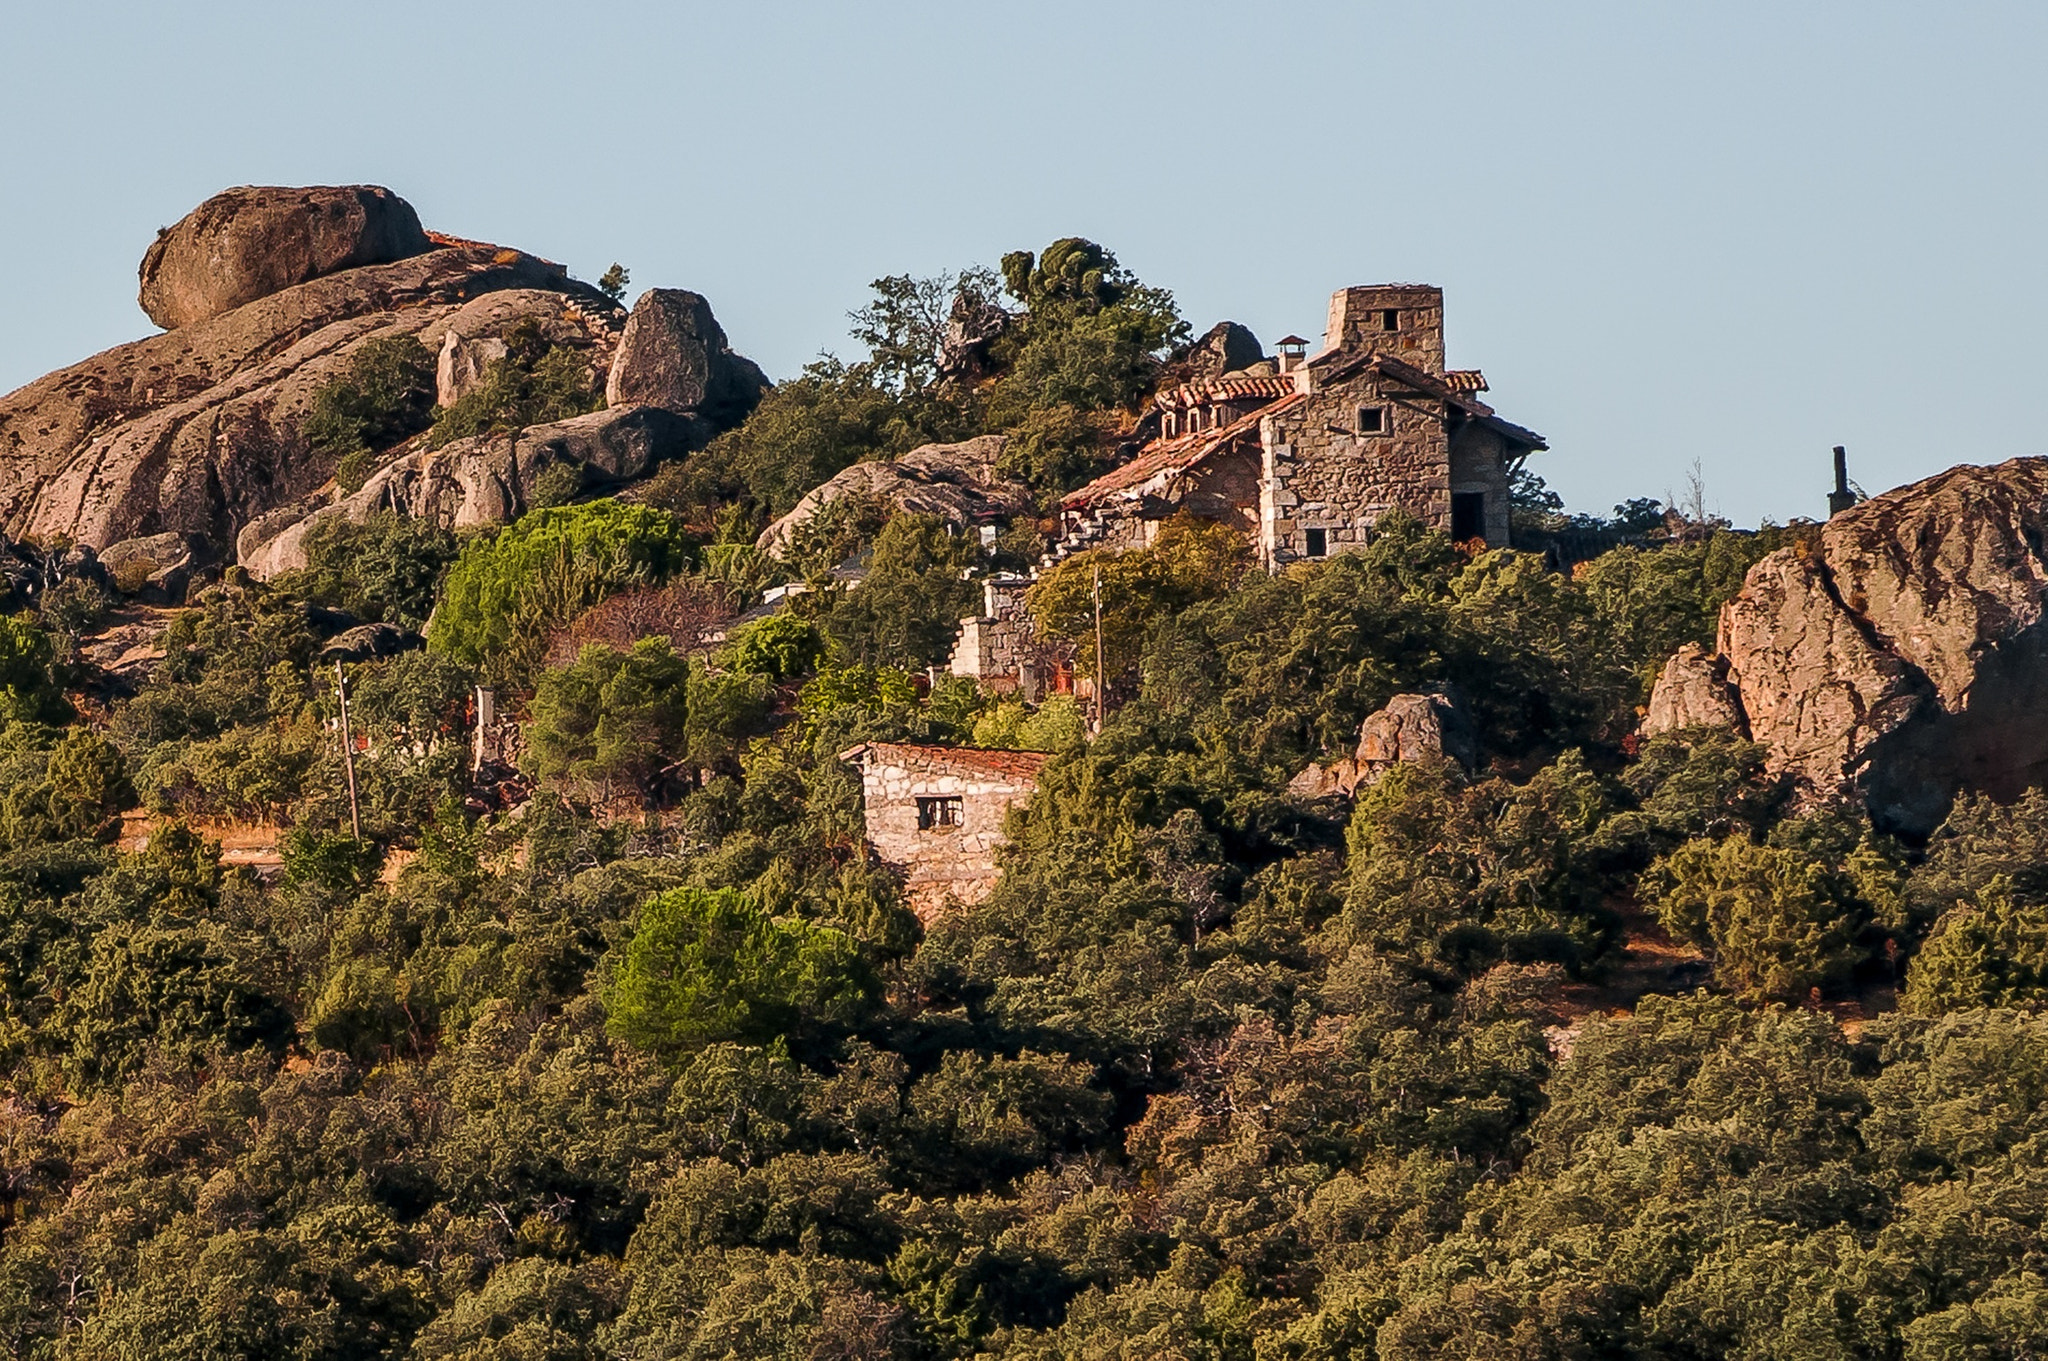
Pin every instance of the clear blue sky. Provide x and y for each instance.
(1732, 232)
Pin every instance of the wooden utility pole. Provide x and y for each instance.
(1101, 677)
(348, 752)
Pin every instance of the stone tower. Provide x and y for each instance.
(1403, 320)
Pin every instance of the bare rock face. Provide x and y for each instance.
(1692, 691)
(247, 243)
(490, 479)
(956, 482)
(1429, 729)
(1224, 348)
(198, 430)
(674, 355)
(1905, 658)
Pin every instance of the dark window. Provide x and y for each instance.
(943, 811)
(1318, 543)
(1372, 420)
(1468, 515)
(1390, 319)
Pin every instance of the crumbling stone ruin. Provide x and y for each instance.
(936, 815)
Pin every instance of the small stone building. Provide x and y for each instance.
(936, 814)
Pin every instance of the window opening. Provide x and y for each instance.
(1318, 543)
(1372, 420)
(942, 811)
(1390, 319)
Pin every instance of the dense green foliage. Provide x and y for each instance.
(506, 592)
(634, 1051)
(384, 395)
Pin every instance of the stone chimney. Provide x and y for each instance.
(1291, 352)
(1842, 497)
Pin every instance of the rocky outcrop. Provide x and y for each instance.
(1903, 655)
(956, 482)
(247, 243)
(198, 431)
(486, 480)
(1224, 348)
(1692, 691)
(674, 355)
(1430, 729)
(474, 337)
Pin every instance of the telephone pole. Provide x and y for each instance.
(1101, 676)
(348, 752)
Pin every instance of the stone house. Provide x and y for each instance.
(936, 815)
(1302, 453)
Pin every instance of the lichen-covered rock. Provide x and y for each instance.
(1692, 691)
(1903, 656)
(674, 355)
(247, 243)
(958, 483)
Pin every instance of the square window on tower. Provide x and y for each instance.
(1372, 420)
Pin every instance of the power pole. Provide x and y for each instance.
(348, 752)
(1101, 676)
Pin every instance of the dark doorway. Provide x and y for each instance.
(1468, 515)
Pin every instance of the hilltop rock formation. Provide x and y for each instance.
(1903, 657)
(247, 243)
(488, 479)
(956, 482)
(272, 293)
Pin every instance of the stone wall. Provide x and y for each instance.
(1479, 464)
(1357, 320)
(940, 865)
(1322, 474)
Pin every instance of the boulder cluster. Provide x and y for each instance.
(268, 294)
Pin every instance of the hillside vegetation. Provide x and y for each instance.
(634, 1053)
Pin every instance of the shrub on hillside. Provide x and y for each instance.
(508, 592)
(385, 395)
(534, 383)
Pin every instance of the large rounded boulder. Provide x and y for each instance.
(247, 243)
(674, 355)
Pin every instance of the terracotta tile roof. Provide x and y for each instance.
(1231, 387)
(1019, 766)
(1465, 380)
(1174, 455)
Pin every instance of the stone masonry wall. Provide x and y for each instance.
(939, 863)
(1357, 315)
(1479, 463)
(1322, 474)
